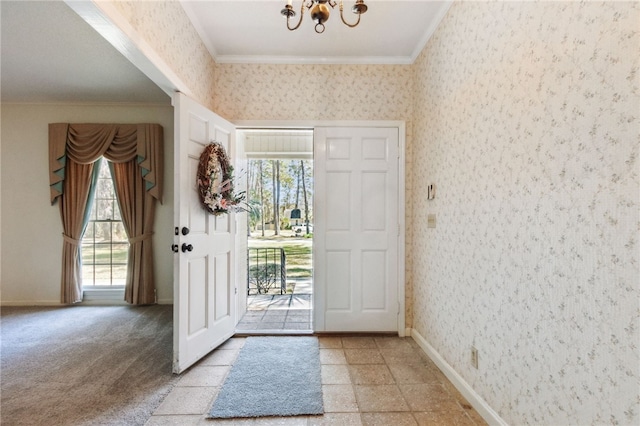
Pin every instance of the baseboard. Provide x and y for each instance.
(480, 405)
(165, 301)
(31, 303)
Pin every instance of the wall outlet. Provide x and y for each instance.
(474, 357)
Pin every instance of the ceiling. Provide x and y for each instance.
(390, 32)
(50, 54)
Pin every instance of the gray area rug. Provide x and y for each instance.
(273, 376)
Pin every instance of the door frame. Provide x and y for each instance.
(400, 125)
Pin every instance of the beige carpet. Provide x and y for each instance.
(84, 365)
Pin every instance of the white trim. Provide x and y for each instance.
(435, 22)
(165, 301)
(401, 227)
(480, 405)
(310, 124)
(31, 303)
(309, 60)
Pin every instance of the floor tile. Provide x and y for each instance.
(390, 383)
(187, 400)
(332, 356)
(379, 398)
(326, 342)
(363, 356)
(339, 399)
(443, 418)
(375, 374)
(281, 421)
(221, 357)
(412, 373)
(335, 375)
(187, 420)
(429, 397)
(388, 419)
(357, 342)
(233, 343)
(204, 375)
(333, 419)
(402, 356)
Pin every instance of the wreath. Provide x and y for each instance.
(215, 181)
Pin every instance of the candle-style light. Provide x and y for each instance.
(320, 12)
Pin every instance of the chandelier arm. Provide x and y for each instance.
(345, 22)
(300, 21)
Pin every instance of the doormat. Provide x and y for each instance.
(273, 376)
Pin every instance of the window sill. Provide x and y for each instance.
(103, 295)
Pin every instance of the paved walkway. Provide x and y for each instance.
(278, 312)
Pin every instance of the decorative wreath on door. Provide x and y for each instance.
(215, 181)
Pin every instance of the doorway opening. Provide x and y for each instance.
(279, 287)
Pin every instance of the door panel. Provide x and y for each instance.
(204, 292)
(356, 234)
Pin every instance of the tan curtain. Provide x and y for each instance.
(73, 211)
(137, 208)
(137, 144)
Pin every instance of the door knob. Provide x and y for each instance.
(186, 247)
(174, 248)
(185, 230)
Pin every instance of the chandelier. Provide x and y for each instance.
(320, 12)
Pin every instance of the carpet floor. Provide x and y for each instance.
(84, 365)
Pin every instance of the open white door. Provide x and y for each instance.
(356, 229)
(204, 287)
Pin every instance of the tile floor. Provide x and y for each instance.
(277, 312)
(366, 380)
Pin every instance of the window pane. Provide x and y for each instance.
(87, 275)
(103, 254)
(104, 244)
(105, 209)
(103, 275)
(119, 274)
(120, 253)
(87, 255)
(119, 234)
(89, 232)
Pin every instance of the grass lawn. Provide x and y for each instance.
(298, 251)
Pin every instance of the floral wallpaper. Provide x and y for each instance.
(322, 92)
(165, 26)
(525, 117)
(526, 120)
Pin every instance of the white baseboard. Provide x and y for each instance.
(31, 303)
(165, 301)
(480, 405)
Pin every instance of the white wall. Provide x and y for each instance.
(31, 240)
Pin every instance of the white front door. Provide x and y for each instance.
(204, 288)
(356, 229)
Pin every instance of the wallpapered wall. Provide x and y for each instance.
(164, 25)
(526, 119)
(322, 92)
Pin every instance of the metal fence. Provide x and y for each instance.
(267, 271)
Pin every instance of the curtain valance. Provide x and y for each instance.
(118, 143)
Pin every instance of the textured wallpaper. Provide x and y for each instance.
(165, 26)
(322, 92)
(526, 119)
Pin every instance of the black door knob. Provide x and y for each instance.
(185, 230)
(186, 247)
(174, 248)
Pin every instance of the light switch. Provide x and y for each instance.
(431, 221)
